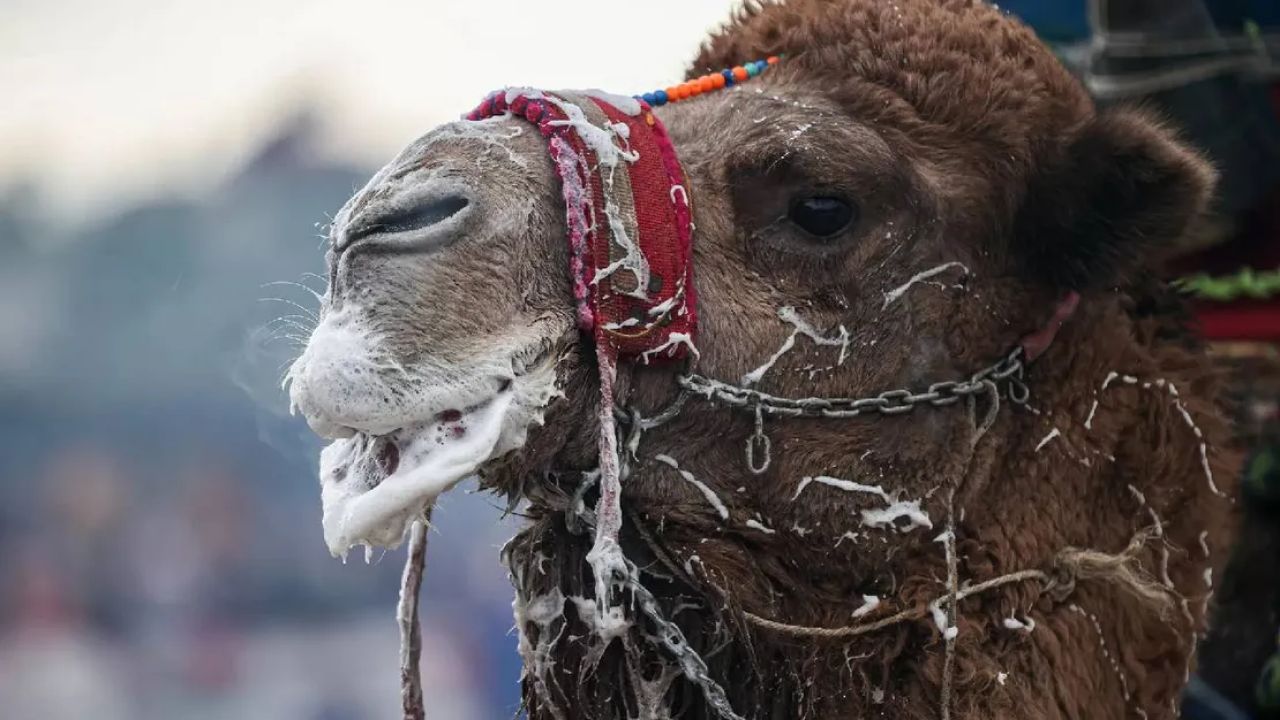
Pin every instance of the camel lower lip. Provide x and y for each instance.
(371, 486)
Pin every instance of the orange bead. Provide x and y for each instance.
(772, 59)
(673, 93)
(740, 73)
(693, 88)
(717, 81)
(704, 84)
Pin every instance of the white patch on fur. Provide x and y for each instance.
(868, 606)
(537, 661)
(789, 315)
(1052, 434)
(707, 492)
(846, 485)
(1013, 623)
(688, 564)
(894, 294)
(944, 626)
(607, 563)
(874, 517)
(491, 131)
(757, 525)
(888, 517)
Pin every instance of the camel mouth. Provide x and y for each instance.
(374, 485)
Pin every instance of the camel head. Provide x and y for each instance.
(910, 192)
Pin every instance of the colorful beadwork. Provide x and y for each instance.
(711, 81)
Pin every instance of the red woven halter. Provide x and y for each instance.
(627, 217)
(631, 260)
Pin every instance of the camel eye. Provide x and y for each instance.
(823, 216)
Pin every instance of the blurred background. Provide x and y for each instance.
(166, 174)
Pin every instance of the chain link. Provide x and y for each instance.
(1007, 371)
(672, 638)
(579, 518)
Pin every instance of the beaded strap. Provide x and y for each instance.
(707, 83)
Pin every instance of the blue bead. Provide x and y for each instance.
(648, 98)
(728, 78)
(660, 97)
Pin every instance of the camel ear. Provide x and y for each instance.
(1124, 193)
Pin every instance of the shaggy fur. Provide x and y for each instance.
(994, 155)
(970, 153)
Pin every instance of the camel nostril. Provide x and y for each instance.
(415, 217)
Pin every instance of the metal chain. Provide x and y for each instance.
(759, 440)
(578, 517)
(672, 638)
(1008, 370)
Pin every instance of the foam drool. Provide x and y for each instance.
(364, 504)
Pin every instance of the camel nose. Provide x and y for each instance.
(424, 220)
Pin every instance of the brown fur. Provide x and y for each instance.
(987, 126)
(962, 140)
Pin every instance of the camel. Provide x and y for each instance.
(913, 203)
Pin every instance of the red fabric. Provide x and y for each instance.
(664, 240)
(662, 325)
(1240, 320)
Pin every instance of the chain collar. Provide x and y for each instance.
(1007, 372)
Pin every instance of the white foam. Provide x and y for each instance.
(707, 492)
(894, 294)
(1013, 623)
(673, 343)
(1047, 438)
(846, 485)
(888, 517)
(430, 465)
(800, 326)
(628, 105)
(869, 604)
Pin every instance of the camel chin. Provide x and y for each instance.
(403, 435)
